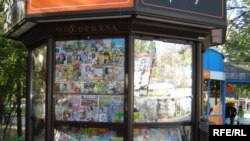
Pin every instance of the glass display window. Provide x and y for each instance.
(77, 133)
(89, 80)
(159, 134)
(162, 81)
(38, 93)
(212, 104)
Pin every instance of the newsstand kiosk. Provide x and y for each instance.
(114, 70)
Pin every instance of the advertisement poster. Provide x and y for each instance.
(48, 6)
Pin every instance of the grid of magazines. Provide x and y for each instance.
(158, 134)
(86, 134)
(90, 108)
(89, 80)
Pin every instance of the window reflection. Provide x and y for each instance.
(159, 134)
(212, 103)
(38, 93)
(162, 81)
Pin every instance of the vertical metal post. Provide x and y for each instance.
(208, 97)
(19, 110)
(224, 84)
(130, 88)
(28, 133)
(197, 89)
(19, 97)
(49, 92)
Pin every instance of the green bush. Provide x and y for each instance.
(15, 139)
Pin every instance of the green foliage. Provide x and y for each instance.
(237, 46)
(15, 139)
(247, 2)
(242, 91)
(12, 76)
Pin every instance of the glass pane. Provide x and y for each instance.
(89, 80)
(78, 133)
(215, 98)
(212, 102)
(159, 134)
(187, 132)
(38, 93)
(162, 81)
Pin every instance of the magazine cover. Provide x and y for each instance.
(61, 58)
(112, 106)
(99, 87)
(61, 103)
(89, 108)
(76, 87)
(107, 44)
(103, 117)
(162, 109)
(61, 73)
(61, 87)
(70, 72)
(159, 134)
(88, 88)
(146, 109)
(74, 101)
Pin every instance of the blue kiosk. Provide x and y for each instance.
(214, 86)
(218, 79)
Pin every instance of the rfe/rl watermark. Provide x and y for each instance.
(229, 132)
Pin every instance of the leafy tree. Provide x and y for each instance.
(241, 91)
(12, 77)
(237, 46)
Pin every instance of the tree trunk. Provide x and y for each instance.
(19, 111)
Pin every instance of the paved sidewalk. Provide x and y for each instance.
(246, 120)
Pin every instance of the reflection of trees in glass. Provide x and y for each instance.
(39, 72)
(172, 63)
(143, 46)
(162, 72)
(38, 93)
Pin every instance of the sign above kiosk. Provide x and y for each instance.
(208, 11)
(212, 13)
(49, 6)
(203, 14)
(206, 8)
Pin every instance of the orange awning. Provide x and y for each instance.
(229, 89)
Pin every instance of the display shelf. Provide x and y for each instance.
(162, 125)
(84, 133)
(89, 124)
(175, 133)
(91, 94)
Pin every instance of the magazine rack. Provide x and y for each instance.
(119, 70)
